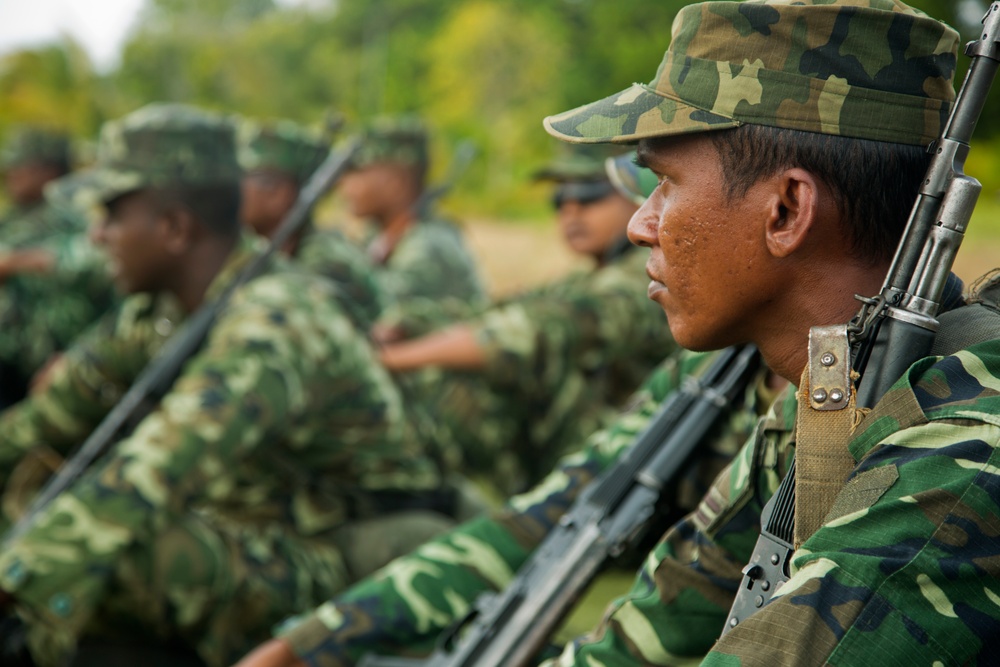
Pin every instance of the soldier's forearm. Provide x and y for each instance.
(455, 347)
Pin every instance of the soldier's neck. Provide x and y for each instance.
(392, 229)
(199, 268)
(782, 334)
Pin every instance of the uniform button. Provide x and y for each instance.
(61, 604)
(163, 326)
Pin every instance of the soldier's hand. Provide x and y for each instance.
(41, 380)
(26, 261)
(274, 653)
(383, 334)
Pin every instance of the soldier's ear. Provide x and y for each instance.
(179, 228)
(793, 209)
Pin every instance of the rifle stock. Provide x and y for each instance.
(897, 327)
(511, 627)
(159, 375)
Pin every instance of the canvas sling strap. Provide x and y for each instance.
(827, 414)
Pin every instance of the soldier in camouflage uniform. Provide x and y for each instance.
(781, 221)
(53, 281)
(278, 159)
(246, 493)
(417, 256)
(405, 606)
(515, 386)
(789, 137)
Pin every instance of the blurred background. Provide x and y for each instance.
(488, 70)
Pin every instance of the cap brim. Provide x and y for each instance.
(638, 112)
(95, 186)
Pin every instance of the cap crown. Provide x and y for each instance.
(398, 139)
(578, 162)
(170, 144)
(870, 69)
(27, 144)
(284, 147)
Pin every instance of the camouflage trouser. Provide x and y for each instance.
(221, 588)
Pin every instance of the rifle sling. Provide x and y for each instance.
(822, 459)
(823, 428)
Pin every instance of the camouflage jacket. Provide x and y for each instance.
(328, 253)
(282, 421)
(42, 313)
(906, 574)
(409, 602)
(431, 261)
(560, 361)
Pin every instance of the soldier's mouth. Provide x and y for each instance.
(656, 289)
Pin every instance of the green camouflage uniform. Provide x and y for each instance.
(906, 562)
(561, 359)
(328, 253)
(904, 569)
(41, 313)
(289, 150)
(409, 602)
(431, 261)
(235, 501)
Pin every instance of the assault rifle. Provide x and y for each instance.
(613, 513)
(898, 326)
(159, 375)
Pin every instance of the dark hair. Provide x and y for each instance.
(216, 206)
(62, 165)
(874, 183)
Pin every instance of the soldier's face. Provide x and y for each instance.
(590, 227)
(132, 231)
(266, 197)
(705, 251)
(377, 189)
(25, 183)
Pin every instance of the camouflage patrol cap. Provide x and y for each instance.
(35, 145)
(869, 69)
(282, 146)
(395, 139)
(577, 162)
(162, 145)
(633, 182)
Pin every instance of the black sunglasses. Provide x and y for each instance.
(583, 194)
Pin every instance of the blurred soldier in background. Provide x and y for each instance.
(518, 384)
(270, 476)
(278, 159)
(53, 282)
(403, 608)
(417, 256)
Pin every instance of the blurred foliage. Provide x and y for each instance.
(484, 69)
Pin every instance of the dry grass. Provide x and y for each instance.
(515, 256)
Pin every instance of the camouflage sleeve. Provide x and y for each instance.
(430, 262)
(681, 595)
(407, 604)
(905, 567)
(906, 564)
(88, 380)
(329, 254)
(41, 314)
(587, 321)
(228, 399)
